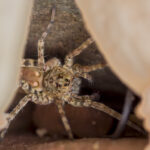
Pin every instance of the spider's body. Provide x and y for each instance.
(52, 82)
(60, 81)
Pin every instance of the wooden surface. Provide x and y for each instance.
(31, 142)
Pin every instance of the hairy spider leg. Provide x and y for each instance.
(41, 60)
(83, 75)
(85, 101)
(38, 98)
(22, 103)
(43, 98)
(86, 69)
(64, 119)
(83, 71)
(77, 51)
(29, 63)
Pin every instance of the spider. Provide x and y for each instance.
(58, 83)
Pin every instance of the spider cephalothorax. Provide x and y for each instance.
(58, 80)
(51, 82)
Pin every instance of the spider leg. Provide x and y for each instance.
(83, 69)
(84, 75)
(38, 98)
(29, 63)
(42, 98)
(41, 60)
(85, 101)
(77, 51)
(41, 41)
(64, 119)
(14, 112)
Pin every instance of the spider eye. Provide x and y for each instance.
(65, 84)
(66, 80)
(35, 84)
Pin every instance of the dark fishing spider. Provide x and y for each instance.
(59, 84)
